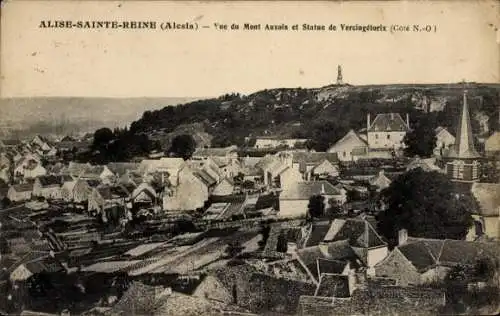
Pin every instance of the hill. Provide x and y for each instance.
(322, 114)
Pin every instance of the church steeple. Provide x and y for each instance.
(464, 141)
(463, 159)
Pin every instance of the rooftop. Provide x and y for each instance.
(388, 122)
(304, 190)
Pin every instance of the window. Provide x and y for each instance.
(388, 136)
(376, 136)
(344, 153)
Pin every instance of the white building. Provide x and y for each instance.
(294, 200)
(349, 147)
(387, 131)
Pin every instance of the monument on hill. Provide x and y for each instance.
(339, 76)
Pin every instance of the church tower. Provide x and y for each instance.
(339, 76)
(463, 159)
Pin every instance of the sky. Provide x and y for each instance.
(208, 62)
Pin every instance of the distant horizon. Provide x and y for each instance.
(248, 93)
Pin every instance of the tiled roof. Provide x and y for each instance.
(388, 122)
(213, 152)
(424, 253)
(488, 197)
(380, 180)
(203, 175)
(333, 285)
(304, 190)
(23, 187)
(93, 183)
(331, 266)
(50, 180)
(112, 192)
(120, 168)
(314, 158)
(466, 252)
(352, 139)
(359, 233)
(318, 233)
(419, 255)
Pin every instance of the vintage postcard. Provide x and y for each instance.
(249, 158)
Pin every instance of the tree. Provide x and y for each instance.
(102, 137)
(183, 146)
(485, 268)
(427, 205)
(282, 244)
(238, 179)
(421, 140)
(233, 249)
(265, 235)
(316, 206)
(334, 209)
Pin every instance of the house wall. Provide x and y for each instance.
(435, 274)
(190, 193)
(66, 194)
(5, 175)
(223, 188)
(81, 192)
(95, 201)
(344, 151)
(326, 168)
(492, 226)
(379, 140)
(36, 172)
(15, 196)
(107, 176)
(289, 177)
(376, 255)
(492, 144)
(52, 192)
(211, 288)
(21, 273)
(293, 208)
(444, 140)
(397, 267)
(266, 143)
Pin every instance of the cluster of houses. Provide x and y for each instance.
(340, 266)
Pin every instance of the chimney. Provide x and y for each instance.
(408, 120)
(402, 237)
(368, 122)
(323, 189)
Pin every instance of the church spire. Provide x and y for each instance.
(464, 142)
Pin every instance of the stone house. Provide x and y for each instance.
(78, 191)
(380, 181)
(421, 260)
(444, 139)
(350, 147)
(387, 131)
(306, 162)
(103, 197)
(224, 188)
(49, 186)
(189, 192)
(20, 192)
(487, 220)
(294, 199)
